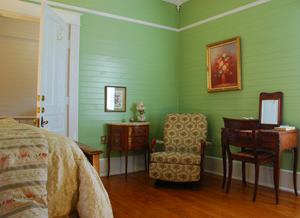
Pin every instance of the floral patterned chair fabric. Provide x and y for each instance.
(184, 141)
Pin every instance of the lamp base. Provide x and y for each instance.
(141, 118)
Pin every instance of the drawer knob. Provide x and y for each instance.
(140, 130)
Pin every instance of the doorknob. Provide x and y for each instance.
(43, 122)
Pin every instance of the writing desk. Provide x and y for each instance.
(276, 141)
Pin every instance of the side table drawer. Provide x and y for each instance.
(138, 131)
(137, 142)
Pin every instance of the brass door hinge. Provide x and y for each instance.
(37, 122)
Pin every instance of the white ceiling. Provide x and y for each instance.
(176, 2)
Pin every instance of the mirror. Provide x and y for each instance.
(270, 110)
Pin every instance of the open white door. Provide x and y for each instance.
(52, 71)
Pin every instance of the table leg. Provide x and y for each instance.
(149, 158)
(295, 169)
(126, 161)
(146, 159)
(108, 160)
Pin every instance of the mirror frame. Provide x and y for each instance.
(271, 96)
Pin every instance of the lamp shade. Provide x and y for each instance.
(141, 106)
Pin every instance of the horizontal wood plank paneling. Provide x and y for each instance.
(118, 53)
(270, 50)
(22, 29)
(18, 71)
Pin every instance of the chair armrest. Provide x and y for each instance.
(154, 142)
(203, 145)
(207, 143)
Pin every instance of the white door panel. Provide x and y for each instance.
(53, 70)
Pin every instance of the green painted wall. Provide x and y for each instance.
(270, 52)
(119, 53)
(167, 69)
(197, 10)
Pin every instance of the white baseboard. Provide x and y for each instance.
(136, 163)
(215, 166)
(212, 165)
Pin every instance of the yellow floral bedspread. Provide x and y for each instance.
(74, 188)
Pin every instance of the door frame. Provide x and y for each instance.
(73, 19)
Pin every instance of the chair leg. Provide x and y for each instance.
(244, 172)
(229, 175)
(276, 180)
(256, 181)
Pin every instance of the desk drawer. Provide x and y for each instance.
(138, 131)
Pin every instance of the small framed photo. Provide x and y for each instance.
(115, 99)
(224, 65)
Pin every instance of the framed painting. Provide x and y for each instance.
(115, 99)
(224, 65)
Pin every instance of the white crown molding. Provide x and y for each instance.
(33, 10)
(153, 24)
(259, 2)
(107, 15)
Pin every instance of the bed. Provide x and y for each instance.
(44, 174)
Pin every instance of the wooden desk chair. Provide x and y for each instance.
(242, 133)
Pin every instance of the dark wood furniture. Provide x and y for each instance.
(270, 116)
(242, 133)
(276, 141)
(128, 137)
(93, 154)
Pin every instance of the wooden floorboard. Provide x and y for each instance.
(136, 197)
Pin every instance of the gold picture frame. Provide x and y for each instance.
(224, 65)
(115, 99)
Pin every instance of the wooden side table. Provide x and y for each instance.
(128, 137)
(93, 154)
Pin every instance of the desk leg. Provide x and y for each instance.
(276, 176)
(108, 160)
(295, 169)
(224, 165)
(126, 161)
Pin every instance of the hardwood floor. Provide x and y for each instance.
(136, 197)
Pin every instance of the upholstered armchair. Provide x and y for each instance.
(182, 158)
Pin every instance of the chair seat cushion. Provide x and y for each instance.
(174, 172)
(248, 153)
(176, 158)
